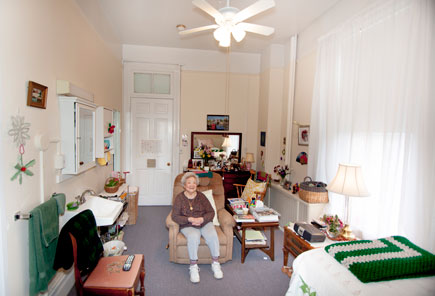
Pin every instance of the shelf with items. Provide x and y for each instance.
(104, 132)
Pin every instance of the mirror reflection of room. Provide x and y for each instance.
(223, 149)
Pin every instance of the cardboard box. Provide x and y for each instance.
(133, 196)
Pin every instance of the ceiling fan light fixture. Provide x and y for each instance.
(226, 41)
(230, 21)
(238, 33)
(219, 33)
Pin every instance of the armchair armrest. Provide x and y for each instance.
(171, 225)
(225, 219)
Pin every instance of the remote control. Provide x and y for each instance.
(128, 262)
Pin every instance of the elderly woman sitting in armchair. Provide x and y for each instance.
(194, 213)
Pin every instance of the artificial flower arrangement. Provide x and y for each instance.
(205, 152)
(333, 223)
(282, 171)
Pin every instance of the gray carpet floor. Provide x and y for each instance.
(257, 276)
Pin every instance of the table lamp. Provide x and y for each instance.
(349, 182)
(249, 160)
(226, 143)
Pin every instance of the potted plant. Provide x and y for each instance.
(334, 225)
(111, 185)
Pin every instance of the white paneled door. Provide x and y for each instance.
(151, 149)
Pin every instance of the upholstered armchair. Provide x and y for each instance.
(177, 241)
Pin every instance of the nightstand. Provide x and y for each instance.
(296, 245)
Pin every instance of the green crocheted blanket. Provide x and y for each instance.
(383, 259)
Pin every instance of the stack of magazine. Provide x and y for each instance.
(254, 237)
(244, 218)
(237, 202)
(265, 214)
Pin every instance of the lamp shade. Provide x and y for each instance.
(348, 181)
(226, 143)
(250, 157)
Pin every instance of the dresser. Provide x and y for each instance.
(233, 177)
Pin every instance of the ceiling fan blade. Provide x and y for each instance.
(252, 10)
(258, 29)
(204, 5)
(199, 29)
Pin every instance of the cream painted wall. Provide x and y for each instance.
(262, 119)
(203, 88)
(271, 106)
(44, 41)
(305, 70)
(203, 93)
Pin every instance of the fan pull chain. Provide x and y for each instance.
(227, 83)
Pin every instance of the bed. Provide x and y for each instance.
(317, 273)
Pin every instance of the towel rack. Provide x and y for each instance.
(23, 216)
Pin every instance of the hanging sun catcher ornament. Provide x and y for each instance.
(19, 131)
(22, 169)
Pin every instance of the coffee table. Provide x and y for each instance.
(268, 249)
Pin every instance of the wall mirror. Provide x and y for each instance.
(228, 145)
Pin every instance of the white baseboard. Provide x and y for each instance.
(61, 283)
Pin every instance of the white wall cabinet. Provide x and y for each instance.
(77, 120)
(103, 138)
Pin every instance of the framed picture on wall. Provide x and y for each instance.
(263, 139)
(303, 135)
(37, 95)
(218, 122)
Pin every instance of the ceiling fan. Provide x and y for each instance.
(229, 21)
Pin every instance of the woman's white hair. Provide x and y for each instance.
(189, 175)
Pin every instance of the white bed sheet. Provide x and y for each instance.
(325, 276)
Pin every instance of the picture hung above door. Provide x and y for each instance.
(229, 21)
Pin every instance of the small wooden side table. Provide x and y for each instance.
(268, 249)
(295, 244)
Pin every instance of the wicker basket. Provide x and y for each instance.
(111, 189)
(313, 192)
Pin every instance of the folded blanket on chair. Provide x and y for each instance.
(89, 247)
(383, 259)
(202, 174)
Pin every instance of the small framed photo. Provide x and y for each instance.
(303, 135)
(263, 139)
(196, 154)
(37, 95)
(218, 122)
(198, 163)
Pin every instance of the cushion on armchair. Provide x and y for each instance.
(209, 195)
(250, 189)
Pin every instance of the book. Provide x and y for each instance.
(265, 214)
(235, 200)
(253, 235)
(256, 242)
(244, 218)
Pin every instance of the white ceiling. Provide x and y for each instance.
(153, 22)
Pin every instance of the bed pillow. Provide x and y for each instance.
(209, 195)
(250, 189)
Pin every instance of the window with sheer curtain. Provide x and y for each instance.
(374, 105)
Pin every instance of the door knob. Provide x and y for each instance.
(168, 164)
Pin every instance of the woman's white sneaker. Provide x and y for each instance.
(217, 271)
(194, 273)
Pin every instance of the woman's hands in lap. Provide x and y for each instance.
(196, 221)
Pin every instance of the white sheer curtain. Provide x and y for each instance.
(373, 105)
